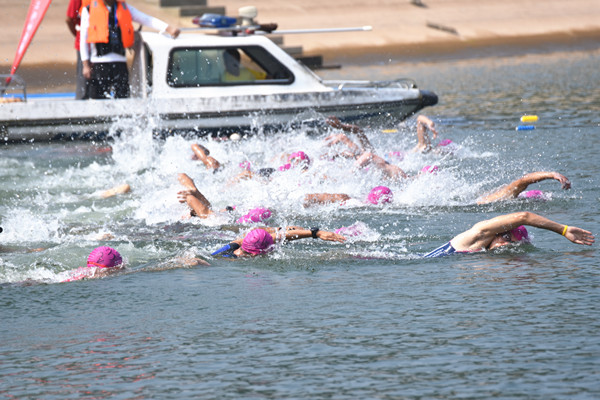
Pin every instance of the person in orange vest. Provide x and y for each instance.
(106, 31)
(73, 21)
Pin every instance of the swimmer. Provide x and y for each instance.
(377, 195)
(201, 207)
(506, 229)
(101, 262)
(366, 156)
(262, 240)
(424, 125)
(298, 159)
(515, 188)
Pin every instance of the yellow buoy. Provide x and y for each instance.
(529, 118)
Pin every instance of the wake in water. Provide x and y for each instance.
(53, 200)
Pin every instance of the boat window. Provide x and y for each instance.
(225, 66)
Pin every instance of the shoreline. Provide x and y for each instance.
(468, 49)
(438, 31)
(62, 73)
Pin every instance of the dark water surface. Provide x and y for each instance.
(366, 319)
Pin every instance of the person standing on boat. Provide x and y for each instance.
(73, 22)
(106, 31)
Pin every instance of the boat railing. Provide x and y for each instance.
(9, 84)
(403, 83)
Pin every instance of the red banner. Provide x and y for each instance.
(37, 10)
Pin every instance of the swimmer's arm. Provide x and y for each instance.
(342, 138)
(357, 130)
(427, 123)
(573, 233)
(296, 232)
(516, 187)
(120, 189)
(423, 142)
(190, 261)
(244, 175)
(324, 198)
(393, 172)
(201, 208)
(201, 153)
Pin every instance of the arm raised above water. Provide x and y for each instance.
(516, 187)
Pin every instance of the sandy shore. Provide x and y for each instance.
(400, 29)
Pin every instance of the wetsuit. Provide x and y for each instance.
(443, 250)
(227, 250)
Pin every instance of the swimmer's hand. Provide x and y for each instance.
(334, 122)
(564, 181)
(337, 138)
(427, 123)
(579, 236)
(330, 236)
(183, 194)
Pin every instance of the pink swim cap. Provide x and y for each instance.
(299, 158)
(432, 169)
(351, 230)
(285, 167)
(534, 194)
(380, 194)
(257, 241)
(445, 142)
(104, 257)
(520, 234)
(255, 215)
(397, 155)
(245, 165)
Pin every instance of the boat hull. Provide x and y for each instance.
(98, 119)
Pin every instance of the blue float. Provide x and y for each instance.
(525, 127)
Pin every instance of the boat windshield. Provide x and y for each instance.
(225, 66)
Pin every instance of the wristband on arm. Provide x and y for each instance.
(313, 232)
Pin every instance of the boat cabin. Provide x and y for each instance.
(206, 65)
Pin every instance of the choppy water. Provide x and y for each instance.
(366, 319)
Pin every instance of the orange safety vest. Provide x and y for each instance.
(98, 30)
(84, 4)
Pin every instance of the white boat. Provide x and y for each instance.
(181, 86)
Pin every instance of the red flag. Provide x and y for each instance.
(37, 10)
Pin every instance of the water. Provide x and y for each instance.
(366, 319)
